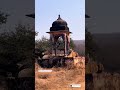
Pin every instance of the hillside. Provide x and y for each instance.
(80, 46)
(109, 49)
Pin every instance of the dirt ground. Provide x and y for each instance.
(59, 79)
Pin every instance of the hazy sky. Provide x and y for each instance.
(17, 9)
(72, 11)
(105, 15)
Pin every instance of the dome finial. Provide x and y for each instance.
(59, 16)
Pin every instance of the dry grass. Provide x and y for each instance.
(59, 79)
(107, 81)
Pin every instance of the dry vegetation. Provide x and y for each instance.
(106, 81)
(59, 79)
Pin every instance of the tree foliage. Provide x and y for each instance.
(44, 44)
(72, 45)
(90, 45)
(17, 46)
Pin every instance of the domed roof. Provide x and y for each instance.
(59, 24)
(59, 21)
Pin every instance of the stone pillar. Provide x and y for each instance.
(52, 41)
(55, 49)
(65, 48)
(68, 42)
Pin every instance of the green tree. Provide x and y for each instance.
(90, 45)
(72, 45)
(44, 44)
(17, 46)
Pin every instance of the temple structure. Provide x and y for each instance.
(59, 37)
